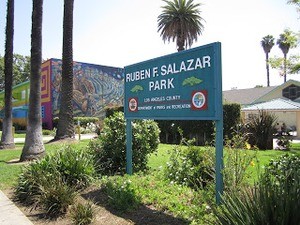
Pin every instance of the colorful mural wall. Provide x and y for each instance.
(20, 96)
(95, 87)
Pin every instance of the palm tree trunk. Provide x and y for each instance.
(7, 139)
(268, 69)
(284, 68)
(180, 42)
(34, 146)
(65, 128)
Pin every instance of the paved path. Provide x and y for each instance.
(48, 138)
(11, 214)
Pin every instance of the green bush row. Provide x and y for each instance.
(201, 130)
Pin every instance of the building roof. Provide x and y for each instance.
(254, 95)
(246, 96)
(275, 104)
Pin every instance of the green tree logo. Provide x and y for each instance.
(191, 81)
(137, 88)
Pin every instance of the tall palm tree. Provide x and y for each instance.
(267, 43)
(180, 21)
(7, 139)
(65, 128)
(286, 41)
(34, 147)
(296, 3)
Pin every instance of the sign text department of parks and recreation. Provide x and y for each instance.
(184, 85)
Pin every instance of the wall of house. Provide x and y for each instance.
(278, 92)
(287, 117)
(20, 96)
(46, 103)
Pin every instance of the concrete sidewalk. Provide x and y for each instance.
(48, 138)
(11, 214)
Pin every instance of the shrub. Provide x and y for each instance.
(75, 165)
(121, 194)
(56, 196)
(47, 132)
(29, 183)
(82, 214)
(109, 111)
(232, 117)
(274, 200)
(284, 169)
(192, 166)
(238, 158)
(110, 147)
(51, 182)
(261, 129)
(284, 142)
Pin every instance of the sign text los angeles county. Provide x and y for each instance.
(176, 86)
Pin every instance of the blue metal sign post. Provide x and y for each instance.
(183, 86)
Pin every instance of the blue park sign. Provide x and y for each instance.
(184, 86)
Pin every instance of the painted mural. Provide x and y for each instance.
(95, 87)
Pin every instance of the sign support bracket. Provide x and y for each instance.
(219, 160)
(129, 146)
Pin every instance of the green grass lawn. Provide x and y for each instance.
(160, 158)
(10, 170)
(153, 189)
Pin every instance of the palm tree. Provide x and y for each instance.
(34, 146)
(267, 43)
(65, 128)
(286, 41)
(7, 139)
(180, 21)
(296, 3)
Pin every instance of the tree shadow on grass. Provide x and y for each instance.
(142, 215)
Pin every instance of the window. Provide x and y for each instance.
(291, 92)
(23, 94)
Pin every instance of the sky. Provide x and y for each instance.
(124, 32)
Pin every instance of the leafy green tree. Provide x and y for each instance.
(21, 70)
(296, 68)
(267, 43)
(180, 21)
(292, 64)
(286, 41)
(7, 139)
(34, 147)
(65, 128)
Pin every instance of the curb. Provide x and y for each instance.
(10, 213)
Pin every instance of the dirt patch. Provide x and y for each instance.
(104, 214)
(18, 162)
